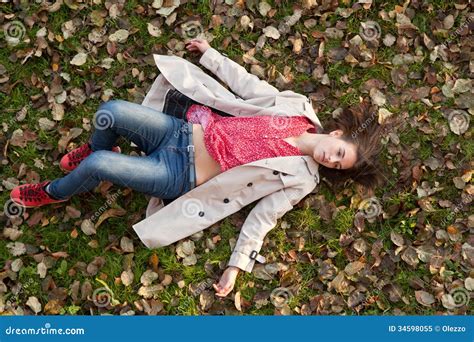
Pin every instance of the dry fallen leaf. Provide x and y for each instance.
(237, 301)
(127, 277)
(87, 227)
(79, 59)
(113, 212)
(424, 298)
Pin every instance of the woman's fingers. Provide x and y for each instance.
(220, 290)
(192, 46)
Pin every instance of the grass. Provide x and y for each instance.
(319, 236)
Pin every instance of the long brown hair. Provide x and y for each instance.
(360, 127)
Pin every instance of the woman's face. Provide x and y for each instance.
(334, 152)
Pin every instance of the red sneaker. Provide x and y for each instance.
(71, 160)
(32, 195)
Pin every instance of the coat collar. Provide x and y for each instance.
(286, 102)
(286, 164)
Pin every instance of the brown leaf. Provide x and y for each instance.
(74, 233)
(424, 298)
(410, 256)
(114, 212)
(94, 266)
(35, 219)
(53, 307)
(354, 267)
(154, 261)
(59, 255)
(237, 301)
(66, 137)
(397, 238)
(73, 212)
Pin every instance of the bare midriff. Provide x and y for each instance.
(206, 166)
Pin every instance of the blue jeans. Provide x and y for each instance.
(163, 172)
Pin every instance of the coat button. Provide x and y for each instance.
(249, 184)
(226, 200)
(275, 172)
(201, 213)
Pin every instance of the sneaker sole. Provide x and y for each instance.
(36, 206)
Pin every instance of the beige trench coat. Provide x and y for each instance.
(279, 183)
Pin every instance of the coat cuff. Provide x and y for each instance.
(245, 257)
(211, 59)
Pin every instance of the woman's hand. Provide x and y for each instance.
(196, 44)
(227, 281)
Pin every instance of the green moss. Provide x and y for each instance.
(344, 220)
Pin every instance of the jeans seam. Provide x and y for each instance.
(129, 130)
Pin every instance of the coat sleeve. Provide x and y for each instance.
(261, 219)
(241, 82)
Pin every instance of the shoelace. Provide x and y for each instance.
(33, 192)
(78, 155)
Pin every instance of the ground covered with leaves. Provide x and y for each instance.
(407, 250)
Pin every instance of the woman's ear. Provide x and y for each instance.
(336, 133)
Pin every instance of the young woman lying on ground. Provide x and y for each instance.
(220, 156)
